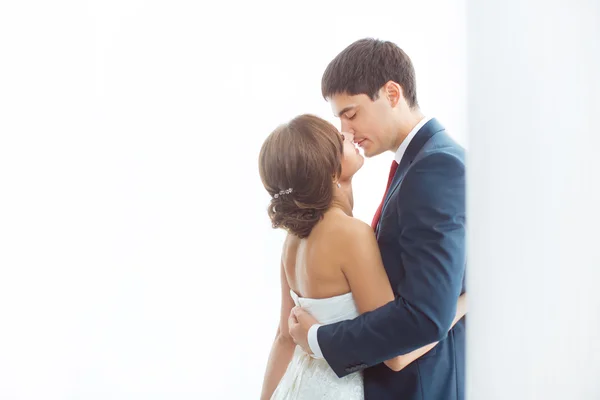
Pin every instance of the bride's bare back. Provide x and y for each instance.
(313, 265)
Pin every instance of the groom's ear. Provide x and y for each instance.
(393, 93)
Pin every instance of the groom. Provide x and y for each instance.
(420, 228)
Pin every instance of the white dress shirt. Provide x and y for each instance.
(313, 342)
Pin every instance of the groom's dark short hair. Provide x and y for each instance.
(365, 66)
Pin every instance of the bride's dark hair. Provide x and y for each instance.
(298, 163)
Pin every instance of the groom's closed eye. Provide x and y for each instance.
(347, 111)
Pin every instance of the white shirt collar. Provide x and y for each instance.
(404, 145)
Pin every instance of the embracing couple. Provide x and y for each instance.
(368, 312)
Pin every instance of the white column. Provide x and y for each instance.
(534, 199)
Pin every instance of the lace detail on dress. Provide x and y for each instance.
(307, 378)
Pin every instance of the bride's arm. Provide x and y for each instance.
(369, 283)
(283, 346)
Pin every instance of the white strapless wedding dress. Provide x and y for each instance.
(309, 378)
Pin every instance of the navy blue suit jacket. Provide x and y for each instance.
(421, 236)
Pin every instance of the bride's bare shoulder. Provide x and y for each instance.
(346, 226)
(291, 243)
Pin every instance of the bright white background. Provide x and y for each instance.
(533, 200)
(137, 257)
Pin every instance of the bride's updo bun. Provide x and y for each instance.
(298, 163)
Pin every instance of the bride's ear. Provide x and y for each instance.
(336, 181)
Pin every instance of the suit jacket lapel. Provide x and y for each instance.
(423, 135)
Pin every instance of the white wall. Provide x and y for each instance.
(137, 258)
(534, 174)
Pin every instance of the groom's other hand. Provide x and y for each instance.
(299, 323)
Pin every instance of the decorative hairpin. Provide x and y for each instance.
(282, 192)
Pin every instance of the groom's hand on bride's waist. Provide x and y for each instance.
(299, 323)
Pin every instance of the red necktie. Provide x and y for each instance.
(393, 169)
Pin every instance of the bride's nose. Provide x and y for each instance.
(349, 136)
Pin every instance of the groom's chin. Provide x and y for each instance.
(370, 150)
(371, 153)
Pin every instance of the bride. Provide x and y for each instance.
(330, 263)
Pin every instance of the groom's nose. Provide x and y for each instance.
(346, 127)
(349, 135)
